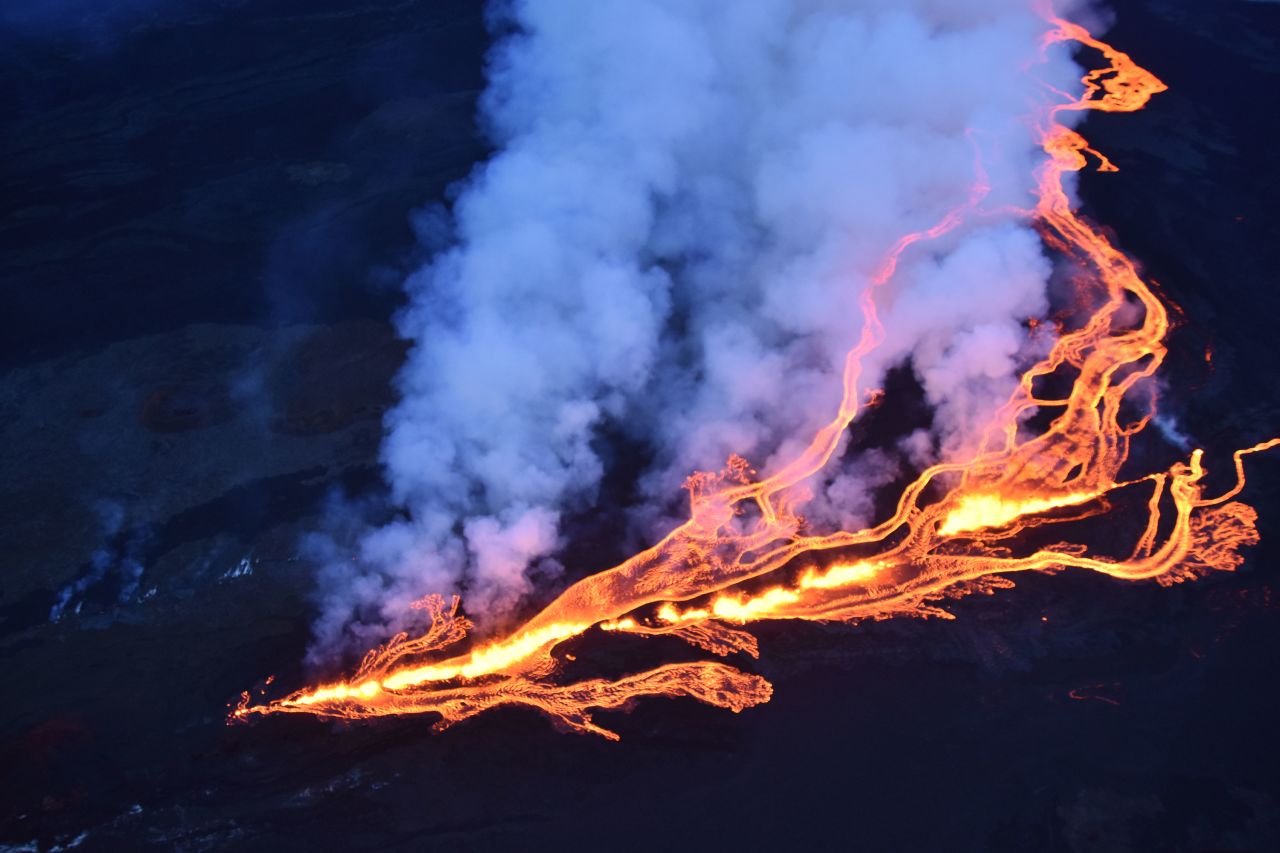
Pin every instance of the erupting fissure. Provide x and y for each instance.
(953, 531)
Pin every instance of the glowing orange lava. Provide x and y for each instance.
(956, 528)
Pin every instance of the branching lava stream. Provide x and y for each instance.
(953, 532)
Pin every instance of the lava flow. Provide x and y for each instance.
(960, 527)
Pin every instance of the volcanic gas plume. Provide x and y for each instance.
(1006, 498)
(662, 265)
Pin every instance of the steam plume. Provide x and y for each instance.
(687, 200)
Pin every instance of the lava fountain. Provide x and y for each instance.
(745, 553)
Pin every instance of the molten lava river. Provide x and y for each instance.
(1048, 462)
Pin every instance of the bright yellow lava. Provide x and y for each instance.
(841, 574)
(979, 512)
(483, 661)
(747, 608)
(367, 690)
(489, 659)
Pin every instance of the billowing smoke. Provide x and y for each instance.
(688, 198)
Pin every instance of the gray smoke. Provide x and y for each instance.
(688, 198)
(118, 558)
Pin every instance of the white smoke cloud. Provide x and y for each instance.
(687, 200)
